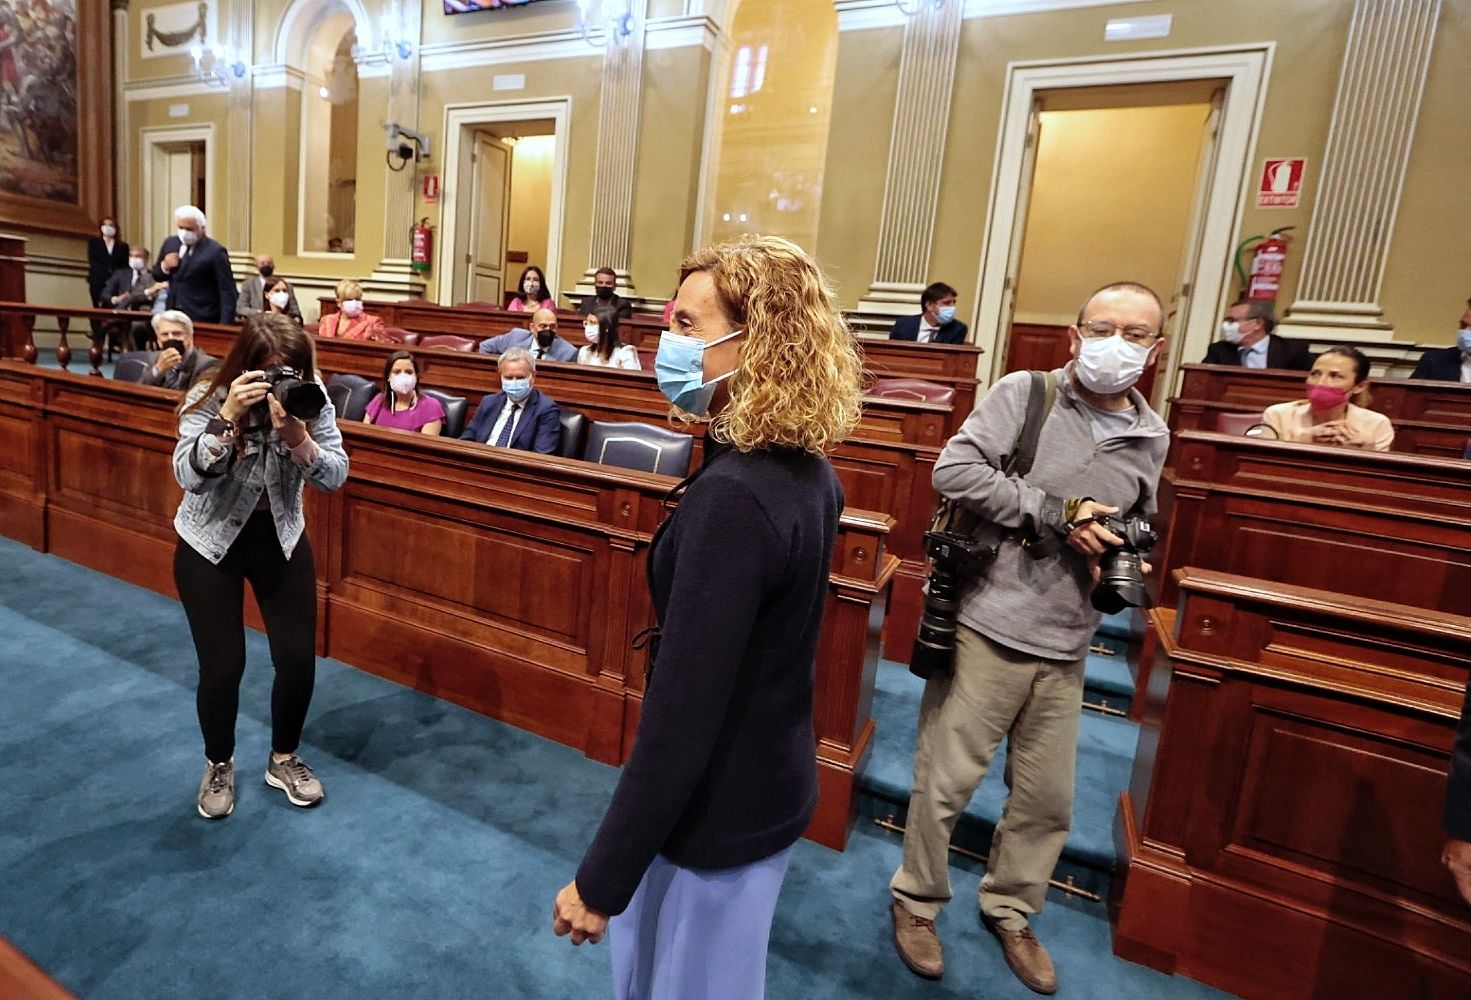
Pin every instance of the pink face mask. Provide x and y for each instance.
(1323, 397)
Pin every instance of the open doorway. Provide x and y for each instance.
(177, 166)
(1214, 99)
(503, 200)
(1115, 192)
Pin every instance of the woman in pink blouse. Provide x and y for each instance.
(350, 322)
(401, 405)
(1335, 411)
(533, 296)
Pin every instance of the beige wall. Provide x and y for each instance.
(531, 193)
(1130, 217)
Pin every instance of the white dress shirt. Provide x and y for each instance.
(512, 412)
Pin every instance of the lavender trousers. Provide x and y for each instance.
(697, 934)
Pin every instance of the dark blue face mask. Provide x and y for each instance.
(679, 365)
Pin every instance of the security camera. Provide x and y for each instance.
(405, 143)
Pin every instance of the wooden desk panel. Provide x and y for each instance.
(1281, 834)
(509, 582)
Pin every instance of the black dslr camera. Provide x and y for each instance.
(300, 397)
(955, 556)
(1121, 575)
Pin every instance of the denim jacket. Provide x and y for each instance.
(222, 485)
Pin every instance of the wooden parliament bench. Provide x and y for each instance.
(1280, 837)
(1430, 418)
(519, 595)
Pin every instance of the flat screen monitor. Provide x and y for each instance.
(465, 6)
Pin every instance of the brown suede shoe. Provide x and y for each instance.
(917, 943)
(1027, 958)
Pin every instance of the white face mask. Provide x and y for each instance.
(109, 231)
(136, 263)
(590, 333)
(352, 308)
(188, 237)
(530, 286)
(1231, 331)
(403, 382)
(1110, 365)
(279, 299)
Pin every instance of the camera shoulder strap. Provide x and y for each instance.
(1040, 397)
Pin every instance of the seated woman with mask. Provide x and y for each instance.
(278, 299)
(604, 347)
(1334, 411)
(533, 292)
(400, 404)
(350, 322)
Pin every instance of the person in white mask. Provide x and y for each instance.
(1026, 619)
(1248, 340)
(936, 322)
(197, 269)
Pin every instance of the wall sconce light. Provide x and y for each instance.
(395, 35)
(217, 65)
(605, 23)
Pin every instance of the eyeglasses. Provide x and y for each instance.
(1099, 328)
(545, 328)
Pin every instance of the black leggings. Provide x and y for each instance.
(214, 601)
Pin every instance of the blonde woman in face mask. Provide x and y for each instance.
(604, 347)
(351, 322)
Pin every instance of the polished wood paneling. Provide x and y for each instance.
(509, 582)
(1280, 836)
(1430, 418)
(22, 979)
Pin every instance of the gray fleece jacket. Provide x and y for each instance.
(1040, 605)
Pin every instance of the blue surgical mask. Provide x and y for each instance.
(947, 313)
(1463, 340)
(516, 388)
(679, 365)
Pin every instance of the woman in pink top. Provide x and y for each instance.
(1334, 412)
(401, 405)
(533, 295)
(350, 322)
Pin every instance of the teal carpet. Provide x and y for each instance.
(429, 872)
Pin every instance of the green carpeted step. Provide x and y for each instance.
(1106, 747)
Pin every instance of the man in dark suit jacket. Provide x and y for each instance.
(1449, 364)
(178, 362)
(131, 288)
(1457, 852)
(518, 416)
(604, 280)
(936, 322)
(1247, 340)
(106, 255)
(197, 269)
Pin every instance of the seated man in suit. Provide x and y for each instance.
(604, 281)
(1247, 340)
(179, 362)
(1449, 364)
(252, 297)
(541, 340)
(518, 416)
(197, 269)
(936, 322)
(132, 289)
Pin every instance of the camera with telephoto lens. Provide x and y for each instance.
(300, 397)
(954, 559)
(1120, 569)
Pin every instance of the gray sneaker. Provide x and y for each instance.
(294, 778)
(217, 790)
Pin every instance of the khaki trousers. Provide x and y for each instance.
(994, 692)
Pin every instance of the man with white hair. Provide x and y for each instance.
(178, 362)
(197, 269)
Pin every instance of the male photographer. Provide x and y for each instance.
(1025, 623)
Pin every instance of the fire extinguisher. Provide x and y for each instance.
(1269, 253)
(421, 246)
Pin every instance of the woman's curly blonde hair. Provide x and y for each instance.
(800, 381)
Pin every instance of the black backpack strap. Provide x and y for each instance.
(1040, 397)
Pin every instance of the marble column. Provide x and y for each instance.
(1363, 172)
(916, 151)
(610, 243)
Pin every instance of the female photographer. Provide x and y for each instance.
(242, 460)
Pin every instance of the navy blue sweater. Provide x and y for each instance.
(723, 769)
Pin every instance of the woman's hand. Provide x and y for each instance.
(291, 429)
(246, 391)
(570, 915)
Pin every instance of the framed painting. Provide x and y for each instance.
(56, 115)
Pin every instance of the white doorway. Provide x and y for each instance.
(178, 169)
(1233, 84)
(491, 190)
